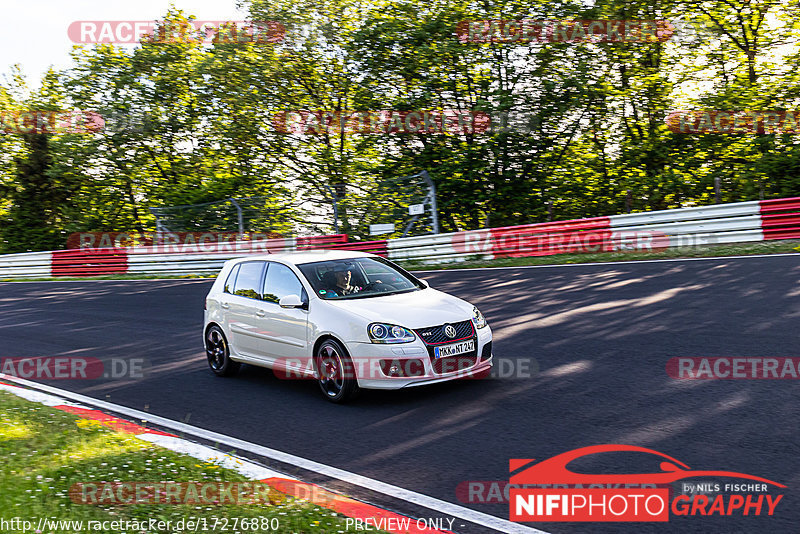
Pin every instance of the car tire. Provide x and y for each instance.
(335, 372)
(218, 353)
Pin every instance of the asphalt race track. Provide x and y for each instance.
(600, 336)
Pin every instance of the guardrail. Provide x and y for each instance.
(167, 259)
(656, 230)
(780, 218)
(30, 264)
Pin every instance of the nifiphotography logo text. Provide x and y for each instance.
(570, 498)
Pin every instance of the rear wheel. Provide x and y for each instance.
(337, 377)
(218, 354)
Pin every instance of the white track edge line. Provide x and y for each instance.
(251, 470)
(473, 516)
(607, 263)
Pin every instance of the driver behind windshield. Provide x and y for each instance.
(342, 286)
(362, 277)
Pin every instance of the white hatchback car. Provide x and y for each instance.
(349, 320)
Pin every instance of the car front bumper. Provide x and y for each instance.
(367, 359)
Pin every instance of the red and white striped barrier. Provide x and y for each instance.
(780, 218)
(649, 231)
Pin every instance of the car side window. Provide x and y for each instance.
(231, 279)
(281, 281)
(248, 281)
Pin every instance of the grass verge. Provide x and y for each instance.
(45, 451)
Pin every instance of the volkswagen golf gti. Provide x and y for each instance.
(349, 320)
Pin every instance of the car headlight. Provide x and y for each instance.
(389, 333)
(477, 318)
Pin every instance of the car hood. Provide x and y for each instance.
(416, 309)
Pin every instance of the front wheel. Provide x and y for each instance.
(218, 354)
(337, 377)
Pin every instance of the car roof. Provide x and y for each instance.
(308, 256)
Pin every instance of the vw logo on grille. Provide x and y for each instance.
(450, 331)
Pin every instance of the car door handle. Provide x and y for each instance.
(224, 306)
(261, 313)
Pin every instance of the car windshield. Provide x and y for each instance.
(358, 278)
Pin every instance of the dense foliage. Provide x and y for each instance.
(579, 128)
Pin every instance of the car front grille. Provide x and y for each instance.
(434, 336)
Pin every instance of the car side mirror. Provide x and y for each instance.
(425, 283)
(291, 301)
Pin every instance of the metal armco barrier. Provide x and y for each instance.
(88, 262)
(780, 218)
(649, 231)
(198, 258)
(27, 265)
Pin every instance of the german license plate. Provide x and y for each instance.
(455, 349)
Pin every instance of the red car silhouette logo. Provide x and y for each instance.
(555, 471)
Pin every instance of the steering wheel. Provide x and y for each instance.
(379, 286)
